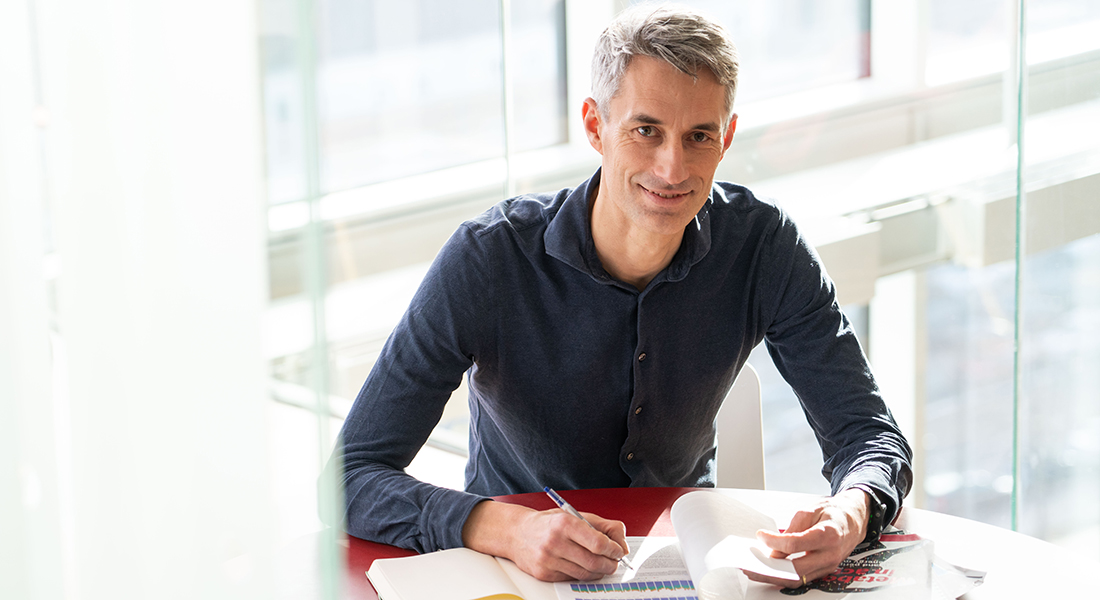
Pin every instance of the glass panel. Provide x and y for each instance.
(538, 51)
(428, 88)
(446, 78)
(282, 96)
(794, 45)
(397, 80)
(1059, 418)
(1060, 28)
(301, 416)
(968, 413)
(1011, 439)
(1060, 415)
(133, 439)
(966, 38)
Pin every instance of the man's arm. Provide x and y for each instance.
(403, 399)
(866, 456)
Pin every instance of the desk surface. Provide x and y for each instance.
(1017, 566)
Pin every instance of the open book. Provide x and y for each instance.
(716, 539)
(455, 574)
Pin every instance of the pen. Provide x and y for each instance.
(569, 509)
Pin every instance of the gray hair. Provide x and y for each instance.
(674, 34)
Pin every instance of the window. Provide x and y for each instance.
(416, 79)
(970, 375)
(968, 38)
(792, 45)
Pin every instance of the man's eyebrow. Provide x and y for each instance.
(648, 120)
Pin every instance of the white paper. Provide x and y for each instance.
(659, 573)
(718, 537)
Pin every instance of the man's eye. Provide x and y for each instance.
(699, 136)
(646, 131)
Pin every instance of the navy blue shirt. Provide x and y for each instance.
(578, 380)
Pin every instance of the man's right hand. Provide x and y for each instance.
(551, 545)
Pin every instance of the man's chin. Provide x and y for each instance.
(667, 222)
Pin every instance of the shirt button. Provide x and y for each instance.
(641, 356)
(638, 410)
(630, 456)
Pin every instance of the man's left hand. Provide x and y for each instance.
(819, 537)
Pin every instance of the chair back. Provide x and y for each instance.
(741, 434)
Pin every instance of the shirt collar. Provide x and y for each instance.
(568, 237)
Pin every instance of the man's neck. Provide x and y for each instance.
(629, 254)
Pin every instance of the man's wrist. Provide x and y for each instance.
(489, 526)
(876, 513)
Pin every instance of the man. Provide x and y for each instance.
(600, 328)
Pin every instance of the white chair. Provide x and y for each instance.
(740, 434)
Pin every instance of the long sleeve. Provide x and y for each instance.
(816, 350)
(401, 402)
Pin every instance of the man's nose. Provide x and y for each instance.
(670, 164)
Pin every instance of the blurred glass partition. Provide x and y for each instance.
(386, 128)
(1059, 437)
(1011, 413)
(1058, 287)
(408, 88)
(968, 416)
(423, 79)
(967, 39)
(134, 460)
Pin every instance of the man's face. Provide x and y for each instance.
(662, 138)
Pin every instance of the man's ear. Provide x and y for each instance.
(592, 124)
(728, 138)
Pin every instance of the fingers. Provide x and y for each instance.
(615, 530)
(787, 544)
(805, 519)
(599, 537)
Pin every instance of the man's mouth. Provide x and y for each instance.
(666, 195)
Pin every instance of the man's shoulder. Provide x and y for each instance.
(739, 197)
(737, 202)
(520, 214)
